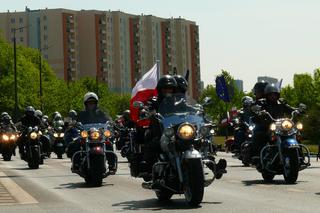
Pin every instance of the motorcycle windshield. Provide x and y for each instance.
(87, 127)
(175, 110)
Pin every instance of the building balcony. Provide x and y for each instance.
(103, 59)
(103, 31)
(72, 50)
(103, 41)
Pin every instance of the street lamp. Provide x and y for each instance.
(15, 72)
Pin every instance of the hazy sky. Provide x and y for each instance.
(245, 37)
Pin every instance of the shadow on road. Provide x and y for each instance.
(156, 205)
(317, 193)
(262, 182)
(79, 185)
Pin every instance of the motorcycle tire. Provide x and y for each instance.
(267, 177)
(93, 179)
(34, 161)
(164, 195)
(59, 156)
(194, 189)
(291, 173)
(6, 157)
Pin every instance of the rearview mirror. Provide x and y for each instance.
(302, 107)
(256, 108)
(207, 101)
(138, 105)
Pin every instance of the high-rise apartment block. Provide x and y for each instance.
(115, 47)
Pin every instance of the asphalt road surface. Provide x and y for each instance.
(53, 188)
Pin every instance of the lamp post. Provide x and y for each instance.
(15, 72)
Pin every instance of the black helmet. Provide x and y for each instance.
(182, 84)
(247, 101)
(29, 110)
(4, 114)
(126, 114)
(271, 88)
(73, 114)
(166, 81)
(259, 87)
(90, 96)
(38, 113)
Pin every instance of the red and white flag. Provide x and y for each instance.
(144, 89)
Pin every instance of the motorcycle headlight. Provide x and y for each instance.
(5, 137)
(95, 135)
(286, 125)
(33, 135)
(169, 132)
(13, 137)
(40, 133)
(186, 132)
(204, 131)
(107, 133)
(61, 135)
(84, 134)
(299, 126)
(55, 135)
(273, 127)
(252, 127)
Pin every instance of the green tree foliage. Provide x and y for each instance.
(57, 94)
(219, 108)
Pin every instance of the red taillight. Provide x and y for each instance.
(273, 138)
(107, 143)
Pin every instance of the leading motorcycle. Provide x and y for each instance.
(90, 161)
(180, 168)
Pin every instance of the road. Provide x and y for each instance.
(53, 188)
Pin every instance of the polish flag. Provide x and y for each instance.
(144, 89)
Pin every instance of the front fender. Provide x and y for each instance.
(290, 143)
(192, 154)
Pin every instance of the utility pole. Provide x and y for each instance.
(15, 77)
(40, 79)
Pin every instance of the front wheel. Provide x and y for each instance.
(267, 177)
(291, 166)
(194, 188)
(164, 195)
(6, 157)
(94, 179)
(34, 159)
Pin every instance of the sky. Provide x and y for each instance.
(248, 38)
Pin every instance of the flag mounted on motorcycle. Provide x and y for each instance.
(144, 89)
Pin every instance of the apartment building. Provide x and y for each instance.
(114, 47)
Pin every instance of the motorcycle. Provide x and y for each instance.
(33, 148)
(284, 155)
(245, 156)
(180, 168)
(8, 138)
(59, 145)
(93, 153)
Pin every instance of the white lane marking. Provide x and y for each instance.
(295, 190)
(21, 196)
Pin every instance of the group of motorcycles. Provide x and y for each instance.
(284, 154)
(186, 162)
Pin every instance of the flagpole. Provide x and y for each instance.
(158, 70)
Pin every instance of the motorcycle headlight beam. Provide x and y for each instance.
(186, 131)
(95, 135)
(5, 137)
(287, 125)
(107, 133)
(299, 126)
(61, 135)
(273, 127)
(84, 134)
(56, 135)
(33, 135)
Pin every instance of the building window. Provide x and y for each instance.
(45, 37)
(21, 39)
(45, 27)
(13, 20)
(20, 20)
(12, 30)
(21, 30)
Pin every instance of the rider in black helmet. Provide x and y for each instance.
(182, 84)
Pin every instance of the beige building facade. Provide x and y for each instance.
(112, 46)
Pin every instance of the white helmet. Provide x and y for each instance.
(90, 95)
(38, 113)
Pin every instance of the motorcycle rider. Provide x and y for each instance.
(92, 114)
(182, 84)
(28, 120)
(6, 122)
(244, 116)
(277, 108)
